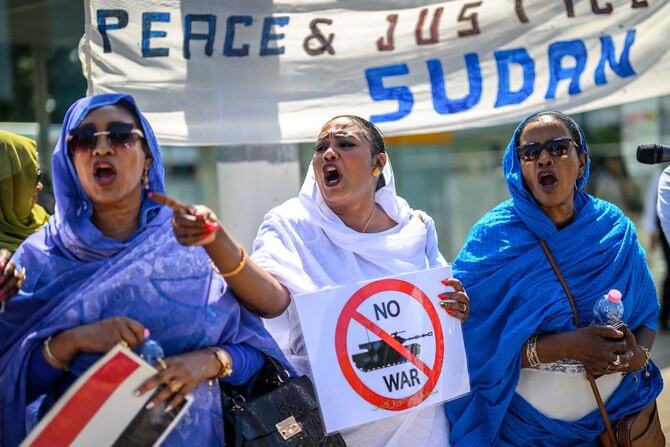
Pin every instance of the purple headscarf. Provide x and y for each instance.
(76, 276)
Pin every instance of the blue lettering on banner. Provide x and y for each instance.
(147, 34)
(268, 36)
(190, 35)
(228, 49)
(576, 49)
(121, 22)
(557, 51)
(375, 78)
(441, 102)
(623, 67)
(503, 59)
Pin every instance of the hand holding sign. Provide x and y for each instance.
(456, 303)
(193, 224)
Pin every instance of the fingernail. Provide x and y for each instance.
(211, 226)
(136, 393)
(445, 282)
(449, 311)
(150, 195)
(443, 303)
(150, 405)
(443, 295)
(2, 265)
(168, 408)
(146, 333)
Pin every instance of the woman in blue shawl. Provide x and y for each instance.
(107, 266)
(525, 355)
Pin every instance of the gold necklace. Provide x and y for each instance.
(369, 218)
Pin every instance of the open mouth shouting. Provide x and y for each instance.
(547, 180)
(331, 176)
(104, 173)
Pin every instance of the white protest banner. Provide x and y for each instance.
(100, 408)
(230, 72)
(381, 348)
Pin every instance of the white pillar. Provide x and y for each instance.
(252, 179)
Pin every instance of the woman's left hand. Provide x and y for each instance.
(11, 278)
(456, 303)
(183, 373)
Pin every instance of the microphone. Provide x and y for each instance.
(652, 153)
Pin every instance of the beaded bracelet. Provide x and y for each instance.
(51, 359)
(531, 352)
(239, 267)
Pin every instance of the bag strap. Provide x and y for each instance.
(592, 380)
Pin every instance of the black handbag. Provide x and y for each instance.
(277, 411)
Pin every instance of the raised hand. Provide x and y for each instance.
(193, 224)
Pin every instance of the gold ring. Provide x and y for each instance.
(175, 386)
(174, 221)
(161, 363)
(465, 307)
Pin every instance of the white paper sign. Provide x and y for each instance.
(231, 72)
(100, 408)
(381, 348)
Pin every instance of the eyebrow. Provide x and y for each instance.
(338, 135)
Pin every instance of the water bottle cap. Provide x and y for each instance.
(146, 333)
(614, 296)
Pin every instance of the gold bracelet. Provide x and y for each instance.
(531, 352)
(239, 267)
(50, 358)
(647, 355)
(226, 366)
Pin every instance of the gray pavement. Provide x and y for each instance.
(661, 356)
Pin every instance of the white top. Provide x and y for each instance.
(562, 391)
(307, 247)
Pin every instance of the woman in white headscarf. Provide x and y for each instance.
(346, 225)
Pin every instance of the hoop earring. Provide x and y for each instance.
(145, 179)
(376, 172)
(583, 187)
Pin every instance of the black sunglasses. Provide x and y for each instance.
(119, 136)
(556, 148)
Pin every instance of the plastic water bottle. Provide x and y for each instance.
(150, 350)
(608, 310)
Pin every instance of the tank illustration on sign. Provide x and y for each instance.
(380, 355)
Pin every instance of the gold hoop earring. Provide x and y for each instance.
(145, 178)
(376, 172)
(581, 176)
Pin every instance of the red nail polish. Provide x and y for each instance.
(445, 282)
(211, 226)
(150, 195)
(443, 296)
(449, 311)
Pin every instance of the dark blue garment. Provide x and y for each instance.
(76, 276)
(514, 294)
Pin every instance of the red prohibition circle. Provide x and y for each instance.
(350, 312)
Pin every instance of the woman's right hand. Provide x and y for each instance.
(193, 224)
(98, 337)
(598, 348)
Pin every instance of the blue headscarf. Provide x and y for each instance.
(76, 275)
(514, 294)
